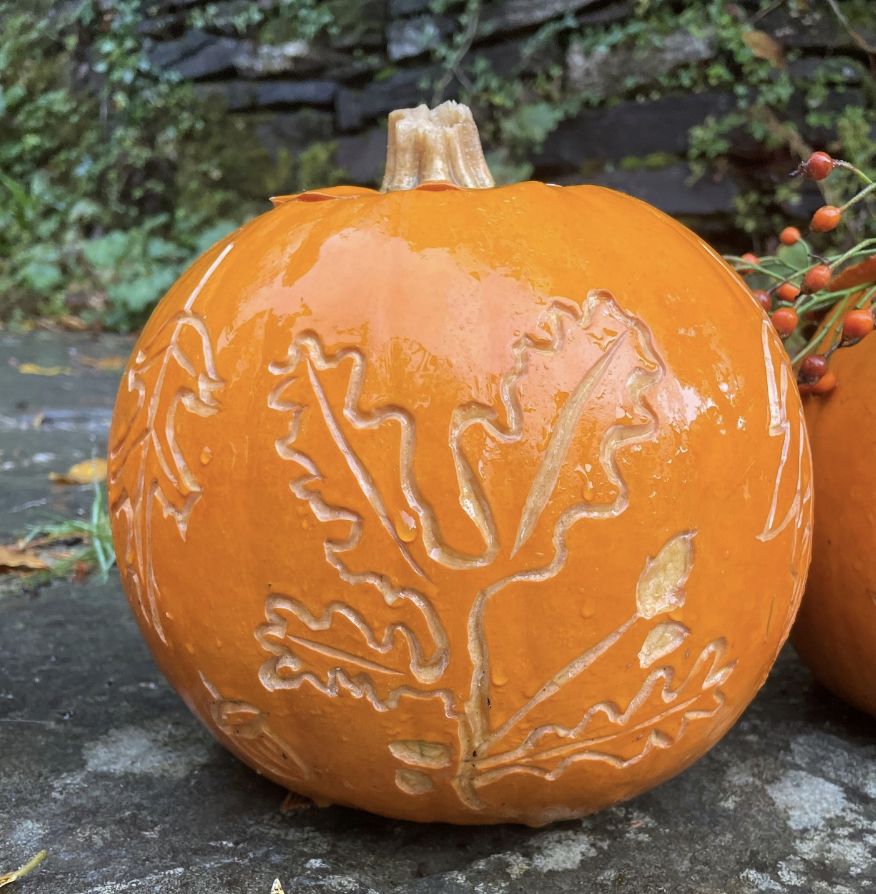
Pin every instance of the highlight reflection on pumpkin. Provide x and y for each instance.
(457, 502)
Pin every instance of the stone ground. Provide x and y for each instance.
(102, 765)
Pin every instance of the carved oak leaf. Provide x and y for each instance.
(656, 717)
(618, 365)
(149, 469)
(248, 731)
(380, 648)
(661, 584)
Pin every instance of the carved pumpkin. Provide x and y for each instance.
(462, 503)
(835, 632)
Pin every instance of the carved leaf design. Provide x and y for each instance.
(661, 584)
(618, 344)
(149, 469)
(379, 653)
(603, 361)
(249, 732)
(655, 717)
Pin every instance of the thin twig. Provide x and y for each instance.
(455, 60)
(851, 31)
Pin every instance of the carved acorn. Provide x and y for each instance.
(462, 503)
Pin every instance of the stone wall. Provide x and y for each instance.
(339, 89)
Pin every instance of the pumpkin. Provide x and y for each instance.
(462, 503)
(835, 633)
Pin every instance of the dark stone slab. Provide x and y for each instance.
(409, 87)
(277, 94)
(630, 128)
(359, 24)
(515, 57)
(813, 26)
(410, 38)
(196, 55)
(615, 70)
(398, 8)
(841, 69)
(363, 156)
(512, 15)
(669, 189)
(295, 131)
(298, 57)
(238, 95)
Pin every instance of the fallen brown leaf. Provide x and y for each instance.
(82, 473)
(764, 47)
(107, 363)
(14, 559)
(33, 369)
(31, 864)
(294, 801)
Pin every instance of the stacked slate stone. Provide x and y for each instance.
(340, 89)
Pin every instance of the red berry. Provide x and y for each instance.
(825, 219)
(789, 236)
(749, 258)
(857, 324)
(825, 384)
(816, 278)
(787, 291)
(785, 320)
(814, 366)
(764, 299)
(818, 166)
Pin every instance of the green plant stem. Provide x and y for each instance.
(857, 198)
(847, 166)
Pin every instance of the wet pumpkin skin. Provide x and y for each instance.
(462, 504)
(835, 632)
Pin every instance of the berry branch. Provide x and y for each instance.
(818, 302)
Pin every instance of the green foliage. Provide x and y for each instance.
(114, 176)
(91, 537)
(518, 111)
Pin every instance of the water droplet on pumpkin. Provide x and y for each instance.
(587, 491)
(498, 679)
(206, 456)
(406, 527)
(587, 610)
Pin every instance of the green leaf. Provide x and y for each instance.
(106, 252)
(796, 256)
(42, 278)
(139, 295)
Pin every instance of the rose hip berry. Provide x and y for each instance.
(857, 324)
(787, 291)
(785, 321)
(814, 366)
(749, 258)
(789, 236)
(818, 166)
(825, 219)
(825, 384)
(816, 278)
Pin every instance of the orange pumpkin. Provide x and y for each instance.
(835, 632)
(462, 503)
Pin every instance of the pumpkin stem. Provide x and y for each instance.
(437, 146)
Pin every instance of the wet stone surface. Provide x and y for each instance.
(102, 765)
